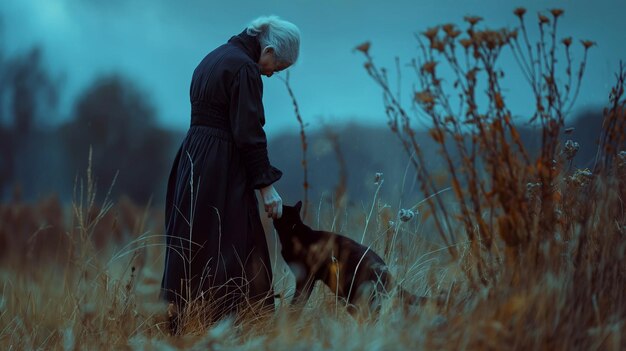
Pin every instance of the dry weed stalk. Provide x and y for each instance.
(535, 215)
(485, 137)
(340, 196)
(303, 142)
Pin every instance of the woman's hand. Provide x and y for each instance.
(272, 201)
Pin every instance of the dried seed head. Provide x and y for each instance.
(587, 44)
(491, 39)
(425, 97)
(378, 177)
(450, 30)
(570, 149)
(431, 33)
(567, 41)
(429, 67)
(556, 12)
(519, 12)
(543, 19)
(581, 178)
(438, 45)
(465, 42)
(406, 215)
(472, 20)
(364, 48)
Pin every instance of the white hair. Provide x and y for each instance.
(278, 34)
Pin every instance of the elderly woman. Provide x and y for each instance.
(216, 248)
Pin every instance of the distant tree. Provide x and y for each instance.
(28, 93)
(6, 158)
(34, 90)
(114, 118)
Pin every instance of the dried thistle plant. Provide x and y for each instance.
(526, 218)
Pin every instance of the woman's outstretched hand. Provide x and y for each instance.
(272, 202)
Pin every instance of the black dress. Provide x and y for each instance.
(216, 247)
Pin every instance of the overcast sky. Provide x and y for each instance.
(158, 44)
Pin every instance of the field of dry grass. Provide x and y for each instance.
(522, 252)
(87, 278)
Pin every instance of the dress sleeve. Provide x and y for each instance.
(247, 118)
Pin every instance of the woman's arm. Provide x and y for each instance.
(247, 118)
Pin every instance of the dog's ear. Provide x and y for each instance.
(298, 206)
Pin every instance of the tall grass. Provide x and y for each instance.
(523, 252)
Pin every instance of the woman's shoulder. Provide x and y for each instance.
(250, 68)
(236, 59)
(226, 57)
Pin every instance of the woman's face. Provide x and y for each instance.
(268, 63)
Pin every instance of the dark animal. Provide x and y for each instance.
(351, 270)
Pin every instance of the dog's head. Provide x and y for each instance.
(291, 217)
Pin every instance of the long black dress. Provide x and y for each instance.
(216, 248)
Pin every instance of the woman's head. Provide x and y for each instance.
(280, 43)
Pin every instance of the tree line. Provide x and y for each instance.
(112, 117)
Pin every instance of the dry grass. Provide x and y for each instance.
(523, 253)
(81, 294)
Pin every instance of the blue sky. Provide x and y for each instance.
(158, 43)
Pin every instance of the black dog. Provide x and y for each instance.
(351, 270)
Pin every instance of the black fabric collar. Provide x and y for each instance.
(249, 44)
